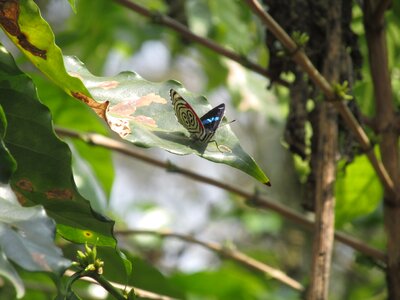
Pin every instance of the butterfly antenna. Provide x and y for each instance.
(227, 123)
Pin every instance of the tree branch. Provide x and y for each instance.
(185, 32)
(386, 123)
(235, 255)
(325, 156)
(255, 200)
(304, 62)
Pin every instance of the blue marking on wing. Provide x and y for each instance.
(210, 120)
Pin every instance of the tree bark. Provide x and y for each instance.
(325, 163)
(385, 123)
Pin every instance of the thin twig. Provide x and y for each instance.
(138, 292)
(303, 61)
(235, 255)
(258, 201)
(157, 17)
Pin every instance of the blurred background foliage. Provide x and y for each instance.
(109, 39)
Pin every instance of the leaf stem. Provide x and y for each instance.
(116, 293)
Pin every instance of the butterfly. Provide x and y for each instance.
(200, 129)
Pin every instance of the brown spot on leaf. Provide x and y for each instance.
(88, 234)
(107, 85)
(119, 125)
(59, 194)
(125, 108)
(9, 13)
(149, 99)
(21, 198)
(98, 107)
(40, 259)
(25, 184)
(145, 121)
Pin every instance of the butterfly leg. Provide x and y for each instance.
(224, 148)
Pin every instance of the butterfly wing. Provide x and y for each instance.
(186, 116)
(212, 119)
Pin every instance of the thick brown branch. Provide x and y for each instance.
(386, 124)
(235, 255)
(325, 162)
(258, 201)
(304, 62)
(185, 32)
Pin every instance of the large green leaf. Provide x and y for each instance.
(141, 112)
(22, 22)
(358, 190)
(44, 173)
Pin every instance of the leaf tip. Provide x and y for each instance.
(268, 183)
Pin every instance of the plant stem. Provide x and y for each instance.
(107, 286)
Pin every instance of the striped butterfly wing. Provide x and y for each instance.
(186, 116)
(211, 121)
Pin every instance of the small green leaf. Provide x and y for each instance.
(341, 90)
(300, 38)
(141, 112)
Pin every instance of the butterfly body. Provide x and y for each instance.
(200, 129)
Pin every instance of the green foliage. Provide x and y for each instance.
(38, 165)
(300, 38)
(227, 282)
(69, 113)
(227, 14)
(44, 173)
(341, 90)
(358, 190)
